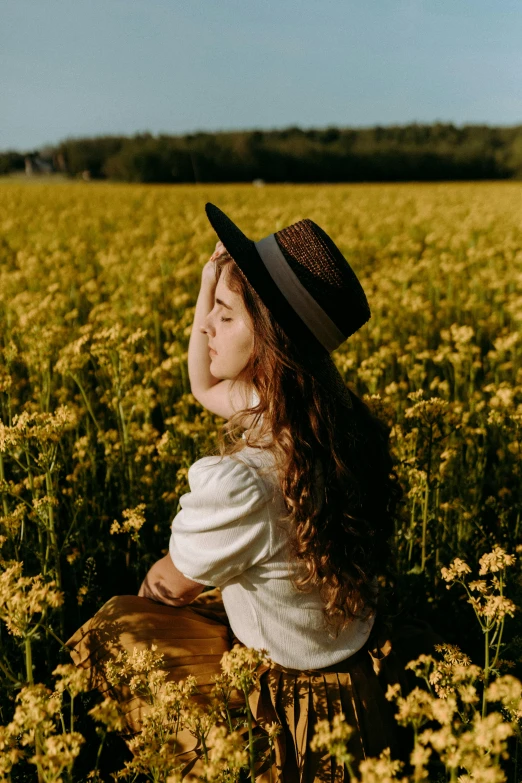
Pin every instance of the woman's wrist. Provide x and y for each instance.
(208, 282)
(208, 275)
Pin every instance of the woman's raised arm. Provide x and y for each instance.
(200, 376)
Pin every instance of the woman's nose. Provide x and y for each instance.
(206, 327)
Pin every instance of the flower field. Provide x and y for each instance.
(98, 285)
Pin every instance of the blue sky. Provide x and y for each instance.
(72, 68)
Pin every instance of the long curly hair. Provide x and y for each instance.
(334, 466)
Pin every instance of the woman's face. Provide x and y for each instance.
(230, 332)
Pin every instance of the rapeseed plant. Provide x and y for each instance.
(452, 727)
(98, 423)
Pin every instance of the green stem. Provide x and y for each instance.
(250, 738)
(29, 661)
(425, 527)
(54, 543)
(229, 717)
(86, 401)
(10, 676)
(95, 771)
(486, 672)
(495, 659)
(38, 749)
(412, 530)
(62, 722)
(2, 478)
(52, 529)
(500, 628)
(351, 771)
(204, 746)
(50, 630)
(34, 496)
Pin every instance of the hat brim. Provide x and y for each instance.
(238, 244)
(244, 252)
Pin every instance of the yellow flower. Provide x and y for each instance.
(134, 521)
(507, 690)
(240, 665)
(21, 597)
(457, 570)
(496, 560)
(72, 679)
(383, 769)
(333, 736)
(108, 712)
(58, 753)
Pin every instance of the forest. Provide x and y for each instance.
(414, 152)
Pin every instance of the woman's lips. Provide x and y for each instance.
(211, 350)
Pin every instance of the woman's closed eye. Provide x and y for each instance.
(225, 319)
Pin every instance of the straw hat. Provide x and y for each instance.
(307, 284)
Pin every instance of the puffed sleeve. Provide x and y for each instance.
(223, 527)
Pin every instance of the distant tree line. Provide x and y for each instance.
(394, 153)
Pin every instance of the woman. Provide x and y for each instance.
(290, 523)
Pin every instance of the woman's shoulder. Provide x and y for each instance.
(224, 467)
(242, 469)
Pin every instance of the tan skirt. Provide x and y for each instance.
(194, 637)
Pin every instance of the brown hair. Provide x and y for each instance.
(334, 466)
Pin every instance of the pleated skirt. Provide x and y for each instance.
(193, 638)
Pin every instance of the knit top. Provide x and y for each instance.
(229, 534)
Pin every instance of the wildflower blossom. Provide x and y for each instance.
(227, 754)
(494, 607)
(108, 713)
(12, 522)
(416, 708)
(72, 679)
(333, 737)
(383, 769)
(9, 753)
(508, 691)
(36, 706)
(495, 561)
(427, 411)
(21, 597)
(134, 521)
(133, 666)
(457, 570)
(121, 353)
(58, 752)
(240, 665)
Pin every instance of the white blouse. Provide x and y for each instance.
(229, 534)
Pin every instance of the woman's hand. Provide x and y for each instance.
(208, 273)
(165, 584)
